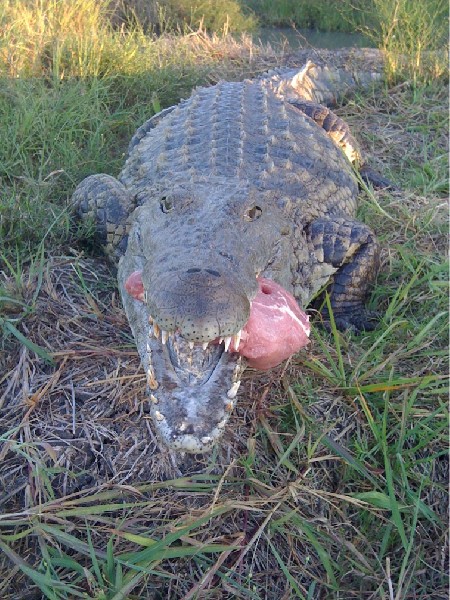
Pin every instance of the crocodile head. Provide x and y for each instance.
(189, 284)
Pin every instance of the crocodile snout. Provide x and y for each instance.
(200, 303)
(193, 434)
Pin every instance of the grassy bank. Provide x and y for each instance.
(325, 16)
(246, 15)
(332, 477)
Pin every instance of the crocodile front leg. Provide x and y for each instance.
(103, 200)
(348, 251)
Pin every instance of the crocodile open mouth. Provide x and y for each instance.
(195, 393)
(193, 363)
(193, 385)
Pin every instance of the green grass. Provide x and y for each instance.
(215, 15)
(218, 16)
(322, 15)
(237, 16)
(114, 573)
(414, 37)
(55, 134)
(245, 15)
(336, 479)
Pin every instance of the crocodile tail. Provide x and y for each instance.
(327, 76)
(325, 85)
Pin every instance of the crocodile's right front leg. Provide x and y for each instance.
(103, 200)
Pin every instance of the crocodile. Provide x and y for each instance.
(244, 190)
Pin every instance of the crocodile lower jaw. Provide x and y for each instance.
(192, 401)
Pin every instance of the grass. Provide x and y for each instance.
(325, 16)
(246, 15)
(218, 16)
(414, 38)
(332, 478)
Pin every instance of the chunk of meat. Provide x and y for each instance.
(135, 286)
(276, 329)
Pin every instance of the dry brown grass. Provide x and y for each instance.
(86, 420)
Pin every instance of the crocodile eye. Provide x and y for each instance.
(253, 213)
(166, 204)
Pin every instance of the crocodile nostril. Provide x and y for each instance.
(212, 272)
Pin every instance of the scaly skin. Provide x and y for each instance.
(241, 180)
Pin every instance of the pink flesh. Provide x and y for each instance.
(276, 328)
(134, 285)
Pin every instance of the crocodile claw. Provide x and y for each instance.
(377, 180)
(356, 321)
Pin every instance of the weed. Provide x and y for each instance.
(414, 37)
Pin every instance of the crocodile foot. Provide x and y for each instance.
(379, 182)
(355, 321)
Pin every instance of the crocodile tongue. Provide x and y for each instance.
(276, 328)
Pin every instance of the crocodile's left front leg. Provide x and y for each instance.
(346, 250)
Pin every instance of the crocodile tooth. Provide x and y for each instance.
(164, 336)
(151, 379)
(220, 340)
(150, 319)
(154, 399)
(159, 416)
(205, 345)
(156, 330)
(227, 342)
(237, 339)
(191, 344)
(233, 390)
(237, 370)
